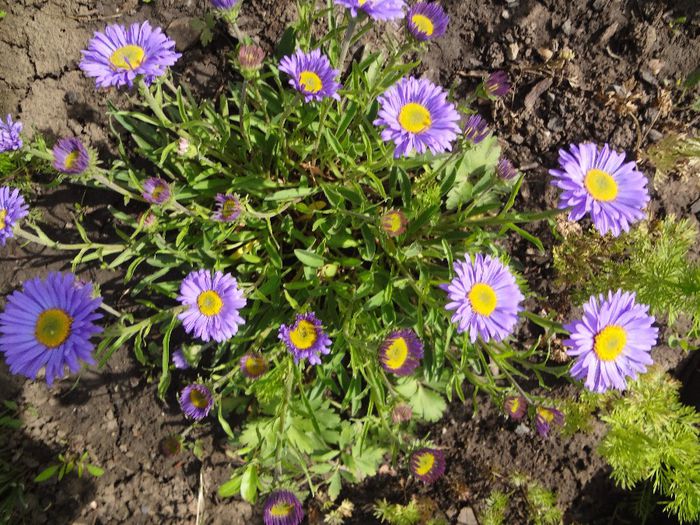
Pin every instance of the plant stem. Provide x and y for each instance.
(110, 310)
(321, 125)
(99, 177)
(110, 248)
(347, 38)
(244, 96)
(283, 417)
(151, 101)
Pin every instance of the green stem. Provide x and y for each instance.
(41, 154)
(503, 369)
(244, 96)
(110, 310)
(305, 399)
(283, 418)
(99, 177)
(321, 125)
(45, 241)
(347, 38)
(152, 103)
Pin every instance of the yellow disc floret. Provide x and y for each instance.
(3, 215)
(310, 81)
(610, 342)
(52, 327)
(424, 463)
(483, 299)
(127, 57)
(396, 353)
(304, 335)
(601, 185)
(198, 399)
(209, 303)
(415, 118)
(424, 24)
(281, 509)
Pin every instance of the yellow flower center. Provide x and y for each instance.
(230, 207)
(483, 299)
(392, 222)
(255, 365)
(198, 399)
(310, 81)
(362, 2)
(52, 327)
(304, 335)
(514, 405)
(209, 303)
(425, 463)
(609, 342)
(415, 118)
(545, 414)
(424, 24)
(128, 57)
(281, 509)
(397, 353)
(3, 214)
(601, 185)
(70, 159)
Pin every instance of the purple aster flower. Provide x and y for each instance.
(228, 208)
(12, 209)
(253, 365)
(155, 190)
(375, 9)
(418, 117)
(312, 75)
(49, 325)
(9, 135)
(515, 406)
(600, 182)
(70, 156)
(179, 360)
(282, 507)
(306, 339)
(485, 297)
(496, 84)
(428, 464)
(394, 223)
(401, 352)
(196, 401)
(119, 55)
(224, 4)
(476, 129)
(427, 21)
(546, 417)
(505, 170)
(214, 302)
(612, 342)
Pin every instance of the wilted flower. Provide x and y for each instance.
(49, 324)
(427, 21)
(170, 445)
(146, 220)
(183, 146)
(496, 84)
(545, 418)
(70, 156)
(305, 339)
(282, 507)
(196, 401)
(394, 223)
(401, 352)
(250, 58)
(214, 301)
(375, 9)
(505, 170)
(253, 365)
(12, 209)
(402, 413)
(428, 464)
(119, 55)
(228, 208)
(612, 342)
(156, 190)
(179, 360)
(476, 129)
(9, 135)
(312, 75)
(601, 183)
(516, 407)
(417, 117)
(485, 297)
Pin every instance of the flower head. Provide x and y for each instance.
(428, 464)
(214, 301)
(146, 220)
(515, 406)
(49, 325)
(70, 156)
(312, 75)
(179, 360)
(417, 117)
(394, 223)
(401, 413)
(427, 21)
(306, 338)
(546, 417)
(250, 58)
(120, 54)
(401, 352)
(12, 209)
(170, 445)
(476, 129)
(253, 365)
(612, 341)
(600, 182)
(228, 208)
(485, 298)
(496, 84)
(505, 170)
(375, 9)
(224, 4)
(156, 190)
(196, 401)
(9, 135)
(282, 507)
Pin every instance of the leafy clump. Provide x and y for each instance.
(541, 502)
(496, 508)
(415, 512)
(653, 438)
(652, 260)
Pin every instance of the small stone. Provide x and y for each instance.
(655, 136)
(523, 430)
(93, 505)
(513, 50)
(505, 14)
(566, 27)
(467, 517)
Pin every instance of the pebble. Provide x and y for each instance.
(467, 517)
(513, 50)
(566, 27)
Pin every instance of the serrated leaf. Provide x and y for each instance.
(481, 160)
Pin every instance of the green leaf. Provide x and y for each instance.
(335, 484)
(249, 484)
(425, 402)
(310, 258)
(47, 473)
(94, 470)
(230, 488)
(476, 163)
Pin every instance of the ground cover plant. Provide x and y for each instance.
(326, 240)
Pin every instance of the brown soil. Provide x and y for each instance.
(626, 52)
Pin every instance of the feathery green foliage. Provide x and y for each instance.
(496, 507)
(415, 512)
